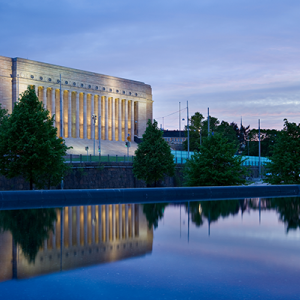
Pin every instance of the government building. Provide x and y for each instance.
(122, 107)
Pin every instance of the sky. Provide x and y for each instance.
(240, 58)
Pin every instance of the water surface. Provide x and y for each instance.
(230, 249)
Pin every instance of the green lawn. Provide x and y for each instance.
(85, 158)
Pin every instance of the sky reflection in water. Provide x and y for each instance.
(216, 253)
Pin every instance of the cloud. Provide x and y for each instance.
(233, 56)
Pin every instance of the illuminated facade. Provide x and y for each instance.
(123, 105)
(87, 235)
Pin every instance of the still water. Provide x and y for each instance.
(230, 249)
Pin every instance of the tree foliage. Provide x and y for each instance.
(29, 228)
(215, 164)
(153, 158)
(231, 131)
(29, 145)
(284, 167)
(3, 115)
(154, 212)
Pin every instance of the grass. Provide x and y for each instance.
(85, 158)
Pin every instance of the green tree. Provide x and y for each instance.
(215, 164)
(154, 212)
(267, 140)
(29, 228)
(153, 158)
(284, 167)
(289, 211)
(29, 146)
(3, 114)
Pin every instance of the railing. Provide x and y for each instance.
(180, 157)
(72, 158)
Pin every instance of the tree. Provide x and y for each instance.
(3, 114)
(154, 212)
(284, 167)
(215, 164)
(29, 146)
(29, 228)
(153, 158)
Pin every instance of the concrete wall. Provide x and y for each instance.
(106, 175)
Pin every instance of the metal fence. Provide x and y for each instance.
(180, 157)
(72, 158)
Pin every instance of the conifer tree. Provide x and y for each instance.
(215, 164)
(153, 158)
(29, 145)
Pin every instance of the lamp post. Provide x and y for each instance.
(94, 118)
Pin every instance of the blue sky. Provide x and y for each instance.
(240, 58)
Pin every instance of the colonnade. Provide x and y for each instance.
(93, 224)
(115, 115)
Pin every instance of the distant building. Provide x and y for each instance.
(175, 138)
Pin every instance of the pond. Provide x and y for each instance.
(229, 249)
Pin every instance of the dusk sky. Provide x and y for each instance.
(241, 58)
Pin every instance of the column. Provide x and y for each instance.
(92, 112)
(132, 121)
(93, 223)
(45, 97)
(45, 244)
(77, 115)
(107, 223)
(126, 119)
(53, 101)
(113, 222)
(120, 120)
(84, 116)
(61, 109)
(85, 225)
(36, 90)
(126, 221)
(120, 221)
(54, 236)
(106, 117)
(70, 210)
(69, 114)
(78, 225)
(113, 124)
(133, 219)
(99, 223)
(99, 117)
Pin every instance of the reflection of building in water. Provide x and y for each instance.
(88, 234)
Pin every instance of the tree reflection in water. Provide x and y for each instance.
(29, 228)
(212, 210)
(154, 212)
(289, 211)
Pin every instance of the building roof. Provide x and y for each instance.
(174, 133)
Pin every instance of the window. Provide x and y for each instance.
(123, 92)
(129, 93)
(31, 76)
(81, 85)
(49, 79)
(96, 87)
(41, 78)
(110, 90)
(90, 86)
(117, 91)
(74, 83)
(136, 94)
(103, 88)
(66, 82)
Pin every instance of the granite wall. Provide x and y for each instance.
(101, 176)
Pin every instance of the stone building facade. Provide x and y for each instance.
(122, 106)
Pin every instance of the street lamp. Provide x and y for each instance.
(94, 118)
